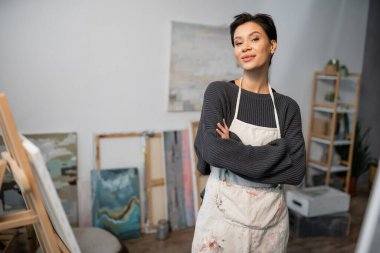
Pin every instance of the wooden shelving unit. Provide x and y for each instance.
(325, 115)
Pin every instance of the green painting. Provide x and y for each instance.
(59, 151)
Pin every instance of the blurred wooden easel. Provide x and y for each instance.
(6, 236)
(15, 158)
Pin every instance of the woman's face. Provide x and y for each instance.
(252, 46)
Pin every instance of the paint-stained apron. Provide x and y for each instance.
(238, 215)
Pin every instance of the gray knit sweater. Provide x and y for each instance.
(281, 161)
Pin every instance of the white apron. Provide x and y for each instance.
(238, 215)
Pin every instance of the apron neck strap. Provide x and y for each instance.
(238, 99)
(275, 110)
(272, 97)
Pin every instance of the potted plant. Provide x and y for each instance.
(361, 158)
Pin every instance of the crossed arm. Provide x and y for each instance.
(281, 161)
(223, 130)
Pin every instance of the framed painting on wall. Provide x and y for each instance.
(200, 54)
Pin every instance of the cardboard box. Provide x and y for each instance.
(317, 201)
(337, 224)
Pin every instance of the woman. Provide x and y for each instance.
(250, 142)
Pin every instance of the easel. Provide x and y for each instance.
(18, 162)
(8, 236)
(7, 239)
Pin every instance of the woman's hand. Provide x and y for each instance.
(223, 130)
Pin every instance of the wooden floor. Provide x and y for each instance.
(180, 241)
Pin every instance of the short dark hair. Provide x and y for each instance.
(263, 20)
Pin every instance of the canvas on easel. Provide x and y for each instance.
(59, 151)
(50, 196)
(36, 213)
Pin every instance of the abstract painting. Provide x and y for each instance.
(179, 183)
(124, 150)
(50, 197)
(116, 204)
(59, 151)
(200, 54)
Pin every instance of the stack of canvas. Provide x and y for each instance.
(318, 211)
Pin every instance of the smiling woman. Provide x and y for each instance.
(252, 47)
(250, 141)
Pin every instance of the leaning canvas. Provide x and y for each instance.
(179, 180)
(59, 151)
(50, 197)
(116, 203)
(124, 150)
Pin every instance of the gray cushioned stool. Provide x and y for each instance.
(94, 240)
(97, 240)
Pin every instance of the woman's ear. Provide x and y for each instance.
(273, 46)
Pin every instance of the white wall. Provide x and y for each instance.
(94, 66)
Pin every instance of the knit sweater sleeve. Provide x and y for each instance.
(281, 161)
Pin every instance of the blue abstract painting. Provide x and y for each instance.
(116, 203)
